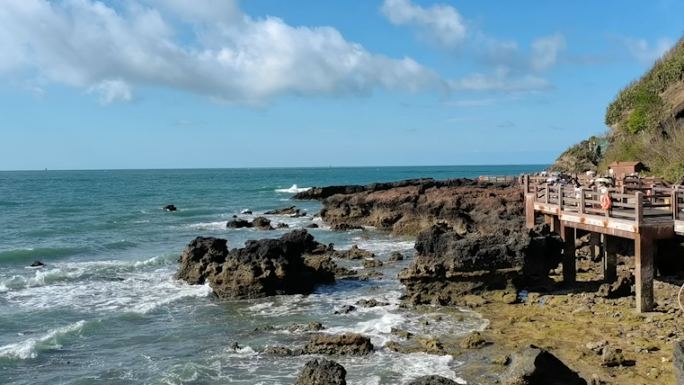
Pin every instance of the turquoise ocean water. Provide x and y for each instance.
(104, 309)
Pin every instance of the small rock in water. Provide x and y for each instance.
(370, 263)
(319, 372)
(37, 264)
(346, 309)
(235, 346)
(282, 225)
(170, 208)
(312, 226)
(371, 303)
(279, 351)
(396, 256)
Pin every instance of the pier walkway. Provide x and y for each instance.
(643, 210)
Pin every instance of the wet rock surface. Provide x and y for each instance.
(322, 372)
(170, 208)
(261, 268)
(678, 362)
(344, 345)
(283, 211)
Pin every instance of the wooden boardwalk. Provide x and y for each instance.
(643, 212)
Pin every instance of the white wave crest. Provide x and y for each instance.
(50, 341)
(293, 190)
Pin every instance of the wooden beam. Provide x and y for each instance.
(569, 264)
(644, 249)
(595, 245)
(529, 211)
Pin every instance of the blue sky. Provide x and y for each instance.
(266, 83)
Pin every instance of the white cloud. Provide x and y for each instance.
(644, 52)
(113, 91)
(545, 51)
(234, 59)
(441, 23)
(500, 81)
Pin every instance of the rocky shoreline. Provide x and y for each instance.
(472, 250)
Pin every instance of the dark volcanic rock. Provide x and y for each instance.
(320, 193)
(346, 309)
(282, 226)
(322, 372)
(37, 264)
(239, 224)
(353, 253)
(535, 366)
(344, 345)
(678, 362)
(261, 268)
(170, 208)
(396, 256)
(262, 223)
(345, 227)
(371, 263)
(432, 380)
(620, 288)
(283, 211)
(448, 266)
(279, 351)
(312, 226)
(409, 207)
(371, 303)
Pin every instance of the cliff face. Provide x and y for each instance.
(646, 122)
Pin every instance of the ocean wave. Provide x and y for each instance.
(72, 271)
(29, 253)
(139, 293)
(292, 190)
(50, 341)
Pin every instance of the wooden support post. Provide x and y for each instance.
(529, 211)
(609, 259)
(644, 268)
(639, 208)
(547, 193)
(595, 245)
(581, 202)
(569, 265)
(674, 204)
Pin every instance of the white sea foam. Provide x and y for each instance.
(29, 348)
(420, 364)
(383, 246)
(213, 226)
(293, 190)
(102, 286)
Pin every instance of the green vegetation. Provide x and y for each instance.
(643, 96)
(584, 156)
(647, 122)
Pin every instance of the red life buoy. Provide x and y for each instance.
(605, 202)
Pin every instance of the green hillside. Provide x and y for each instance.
(646, 122)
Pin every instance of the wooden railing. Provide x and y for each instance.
(499, 179)
(657, 203)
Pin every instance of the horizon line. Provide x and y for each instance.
(270, 167)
